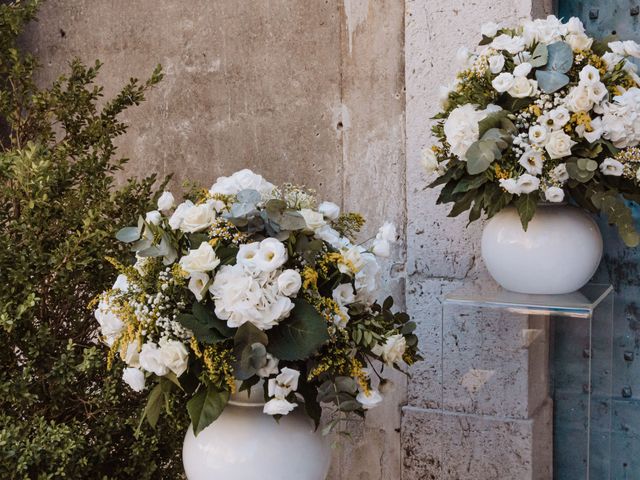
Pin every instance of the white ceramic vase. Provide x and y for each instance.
(559, 252)
(245, 444)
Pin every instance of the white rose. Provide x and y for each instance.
(166, 201)
(241, 180)
(198, 283)
(343, 294)
(367, 278)
(270, 368)
(202, 259)
(559, 145)
(611, 166)
(313, 219)
(560, 173)
(246, 255)
(489, 29)
(153, 217)
(277, 406)
(151, 361)
(528, 183)
(285, 383)
(523, 87)
(110, 324)
(381, 248)
(503, 82)
(289, 283)
(579, 42)
(197, 218)
(510, 185)
(370, 400)
(579, 99)
(496, 63)
(522, 70)
(330, 210)
(631, 48)
(532, 161)
(538, 134)
(506, 42)
(392, 350)
(174, 356)
(429, 161)
(178, 215)
(134, 378)
(554, 194)
(589, 75)
(271, 255)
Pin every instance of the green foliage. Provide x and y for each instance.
(206, 406)
(63, 414)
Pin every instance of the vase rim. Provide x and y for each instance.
(253, 398)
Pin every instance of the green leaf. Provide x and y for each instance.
(463, 203)
(540, 56)
(205, 314)
(205, 407)
(300, 335)
(203, 332)
(311, 405)
(128, 234)
(470, 183)
(154, 406)
(526, 206)
(551, 81)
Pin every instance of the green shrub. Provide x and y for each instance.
(62, 415)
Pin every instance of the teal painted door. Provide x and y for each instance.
(621, 266)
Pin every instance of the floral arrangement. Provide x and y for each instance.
(246, 283)
(541, 112)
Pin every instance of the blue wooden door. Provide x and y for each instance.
(621, 265)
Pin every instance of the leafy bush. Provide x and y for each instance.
(62, 415)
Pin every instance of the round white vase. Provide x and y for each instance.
(559, 252)
(246, 444)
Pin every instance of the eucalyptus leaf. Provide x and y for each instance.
(479, 156)
(540, 56)
(128, 234)
(560, 57)
(248, 196)
(550, 81)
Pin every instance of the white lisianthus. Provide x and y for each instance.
(121, 283)
(523, 87)
(246, 255)
(559, 116)
(111, 325)
(153, 217)
(554, 194)
(617, 47)
(429, 161)
(443, 95)
(198, 283)
(527, 183)
(151, 359)
(544, 30)
(341, 319)
(367, 278)
(285, 383)
(559, 145)
(506, 42)
(202, 259)
(574, 25)
(270, 368)
(538, 135)
(387, 232)
(463, 57)
(510, 185)
(239, 181)
(174, 356)
(579, 42)
(381, 248)
(597, 92)
(330, 210)
(271, 255)
(289, 283)
(352, 260)
(392, 350)
(522, 70)
(331, 236)
(489, 29)
(313, 219)
(589, 75)
(532, 161)
(631, 48)
(579, 99)
(178, 215)
(496, 63)
(503, 82)
(595, 133)
(611, 166)
(369, 400)
(134, 378)
(560, 173)
(198, 218)
(343, 294)
(278, 406)
(166, 201)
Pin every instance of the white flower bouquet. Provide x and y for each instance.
(248, 282)
(541, 112)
